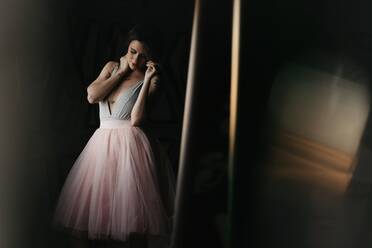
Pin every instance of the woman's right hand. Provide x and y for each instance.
(123, 66)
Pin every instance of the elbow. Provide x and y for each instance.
(135, 122)
(91, 97)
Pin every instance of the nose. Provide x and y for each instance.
(135, 59)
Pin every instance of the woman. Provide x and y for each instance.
(114, 189)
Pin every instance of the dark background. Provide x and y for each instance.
(322, 35)
(51, 50)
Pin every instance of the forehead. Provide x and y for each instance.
(138, 46)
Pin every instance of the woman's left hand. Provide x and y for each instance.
(151, 70)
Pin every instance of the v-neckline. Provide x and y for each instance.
(112, 107)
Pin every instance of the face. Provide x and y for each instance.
(137, 55)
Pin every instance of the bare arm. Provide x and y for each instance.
(149, 87)
(109, 77)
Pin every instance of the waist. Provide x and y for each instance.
(115, 123)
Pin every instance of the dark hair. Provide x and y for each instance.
(149, 36)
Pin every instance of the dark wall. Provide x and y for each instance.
(50, 52)
(322, 35)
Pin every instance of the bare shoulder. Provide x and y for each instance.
(108, 68)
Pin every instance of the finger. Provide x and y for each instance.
(151, 68)
(151, 62)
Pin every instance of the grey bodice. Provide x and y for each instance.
(122, 107)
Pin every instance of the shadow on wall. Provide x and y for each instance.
(318, 112)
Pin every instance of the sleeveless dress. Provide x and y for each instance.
(118, 185)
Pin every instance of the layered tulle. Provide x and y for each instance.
(117, 186)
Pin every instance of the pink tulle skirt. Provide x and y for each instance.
(117, 187)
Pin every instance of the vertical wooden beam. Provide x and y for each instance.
(234, 94)
(186, 153)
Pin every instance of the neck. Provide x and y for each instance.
(136, 74)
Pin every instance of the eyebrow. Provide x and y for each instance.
(143, 54)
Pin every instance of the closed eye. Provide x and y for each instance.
(141, 55)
